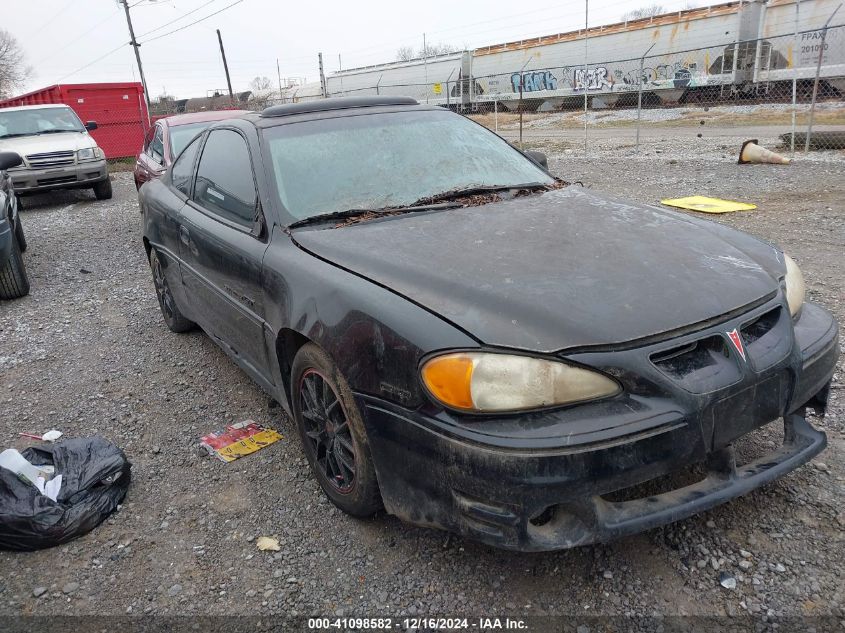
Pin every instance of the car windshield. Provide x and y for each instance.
(181, 135)
(375, 161)
(39, 121)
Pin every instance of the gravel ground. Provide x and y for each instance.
(87, 352)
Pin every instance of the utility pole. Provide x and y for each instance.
(322, 76)
(586, 67)
(425, 67)
(136, 46)
(279, 75)
(225, 67)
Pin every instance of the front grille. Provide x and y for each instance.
(701, 366)
(60, 180)
(51, 159)
(759, 327)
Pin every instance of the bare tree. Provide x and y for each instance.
(13, 71)
(261, 85)
(262, 92)
(407, 53)
(643, 12)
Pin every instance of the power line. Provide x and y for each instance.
(51, 20)
(79, 37)
(91, 63)
(174, 20)
(182, 28)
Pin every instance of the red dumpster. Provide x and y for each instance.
(118, 108)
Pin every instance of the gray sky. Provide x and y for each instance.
(63, 38)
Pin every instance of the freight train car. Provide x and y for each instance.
(436, 79)
(781, 55)
(721, 52)
(683, 52)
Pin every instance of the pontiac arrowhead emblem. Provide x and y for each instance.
(737, 341)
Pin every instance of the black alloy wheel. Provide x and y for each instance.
(333, 434)
(170, 311)
(327, 426)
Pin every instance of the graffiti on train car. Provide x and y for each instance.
(534, 81)
(601, 78)
(596, 78)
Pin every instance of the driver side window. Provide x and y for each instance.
(225, 186)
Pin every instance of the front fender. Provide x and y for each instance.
(375, 336)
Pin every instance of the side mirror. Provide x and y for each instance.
(538, 157)
(91, 125)
(9, 160)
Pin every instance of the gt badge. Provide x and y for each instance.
(737, 341)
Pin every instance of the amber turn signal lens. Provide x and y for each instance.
(449, 379)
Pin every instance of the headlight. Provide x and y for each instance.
(89, 153)
(794, 282)
(484, 382)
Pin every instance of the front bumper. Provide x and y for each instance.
(547, 480)
(85, 174)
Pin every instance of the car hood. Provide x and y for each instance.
(62, 142)
(566, 269)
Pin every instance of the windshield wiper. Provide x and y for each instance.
(57, 131)
(355, 213)
(463, 192)
(15, 135)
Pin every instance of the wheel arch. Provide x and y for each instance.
(288, 343)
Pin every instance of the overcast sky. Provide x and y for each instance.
(63, 39)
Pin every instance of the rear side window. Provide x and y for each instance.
(157, 145)
(183, 168)
(225, 185)
(148, 138)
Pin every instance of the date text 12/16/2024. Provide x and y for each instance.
(416, 623)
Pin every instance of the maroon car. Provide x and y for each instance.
(166, 139)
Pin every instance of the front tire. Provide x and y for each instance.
(332, 433)
(13, 280)
(102, 190)
(173, 317)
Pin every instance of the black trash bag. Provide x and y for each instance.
(95, 477)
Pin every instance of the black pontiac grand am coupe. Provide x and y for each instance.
(469, 344)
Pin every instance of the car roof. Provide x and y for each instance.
(205, 116)
(332, 108)
(337, 103)
(40, 106)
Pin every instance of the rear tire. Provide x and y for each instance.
(102, 190)
(173, 317)
(13, 280)
(20, 236)
(332, 433)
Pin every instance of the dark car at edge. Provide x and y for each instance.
(465, 341)
(14, 282)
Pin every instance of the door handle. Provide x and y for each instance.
(184, 235)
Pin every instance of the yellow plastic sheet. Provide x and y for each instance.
(708, 205)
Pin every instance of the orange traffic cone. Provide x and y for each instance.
(753, 153)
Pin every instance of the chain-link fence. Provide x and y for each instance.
(788, 91)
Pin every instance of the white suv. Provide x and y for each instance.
(57, 151)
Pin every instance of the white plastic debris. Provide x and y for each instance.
(39, 476)
(49, 488)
